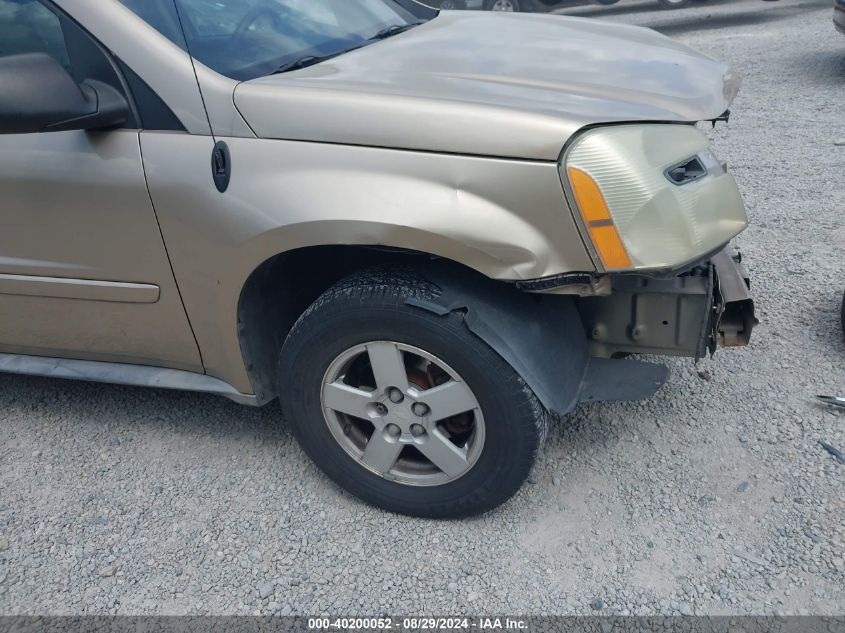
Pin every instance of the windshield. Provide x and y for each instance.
(245, 39)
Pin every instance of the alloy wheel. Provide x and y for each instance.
(503, 5)
(402, 413)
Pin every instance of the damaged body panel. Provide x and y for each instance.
(520, 101)
(286, 196)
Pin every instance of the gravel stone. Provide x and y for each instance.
(223, 493)
(265, 590)
(685, 608)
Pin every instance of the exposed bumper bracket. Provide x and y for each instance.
(684, 314)
(734, 307)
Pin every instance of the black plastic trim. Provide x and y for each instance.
(221, 166)
(153, 112)
(693, 169)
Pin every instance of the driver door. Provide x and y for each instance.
(83, 269)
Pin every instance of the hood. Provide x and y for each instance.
(490, 84)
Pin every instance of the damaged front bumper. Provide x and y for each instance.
(539, 327)
(689, 314)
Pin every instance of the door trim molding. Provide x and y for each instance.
(82, 289)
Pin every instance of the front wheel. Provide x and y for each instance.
(403, 408)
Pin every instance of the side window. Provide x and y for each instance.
(27, 26)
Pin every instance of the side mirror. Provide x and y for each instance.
(39, 95)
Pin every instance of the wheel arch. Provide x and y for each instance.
(234, 280)
(281, 287)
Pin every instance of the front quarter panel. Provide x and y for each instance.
(506, 219)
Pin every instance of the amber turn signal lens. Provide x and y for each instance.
(598, 220)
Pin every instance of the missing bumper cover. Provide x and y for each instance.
(685, 315)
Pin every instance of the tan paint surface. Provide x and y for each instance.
(87, 289)
(506, 219)
(489, 84)
(75, 205)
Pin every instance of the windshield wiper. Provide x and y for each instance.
(395, 29)
(304, 62)
(310, 60)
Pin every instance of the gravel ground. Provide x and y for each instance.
(714, 497)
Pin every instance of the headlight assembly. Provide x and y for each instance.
(651, 196)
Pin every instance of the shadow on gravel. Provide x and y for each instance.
(825, 68)
(712, 23)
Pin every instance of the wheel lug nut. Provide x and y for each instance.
(395, 395)
(393, 430)
(420, 410)
(417, 430)
(381, 409)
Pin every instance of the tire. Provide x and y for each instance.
(605, 3)
(370, 308)
(673, 4)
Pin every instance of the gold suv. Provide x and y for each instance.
(426, 233)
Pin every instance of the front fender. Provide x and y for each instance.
(507, 219)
